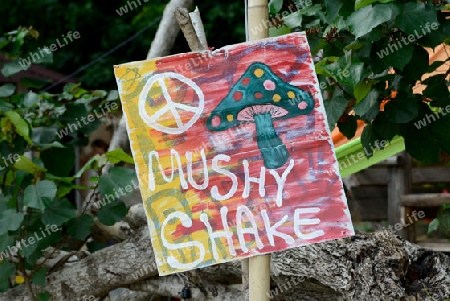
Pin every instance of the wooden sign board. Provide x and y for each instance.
(233, 153)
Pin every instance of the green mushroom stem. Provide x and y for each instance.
(273, 150)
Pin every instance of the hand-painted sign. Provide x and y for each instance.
(233, 152)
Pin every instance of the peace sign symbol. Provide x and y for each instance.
(170, 106)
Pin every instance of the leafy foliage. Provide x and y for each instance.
(373, 52)
(36, 208)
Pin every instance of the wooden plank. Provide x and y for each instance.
(398, 185)
(379, 176)
(438, 247)
(369, 192)
(425, 199)
(369, 209)
(431, 175)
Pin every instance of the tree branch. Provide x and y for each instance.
(378, 266)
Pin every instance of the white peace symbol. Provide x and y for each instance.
(170, 106)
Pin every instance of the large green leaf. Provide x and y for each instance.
(401, 55)
(112, 213)
(30, 99)
(370, 140)
(384, 128)
(418, 66)
(39, 277)
(401, 109)
(348, 128)
(80, 227)
(361, 90)
(367, 18)
(116, 181)
(362, 3)
(441, 127)
(414, 16)
(346, 70)
(7, 90)
(293, 20)
(25, 163)
(44, 296)
(11, 68)
(7, 269)
(20, 125)
(58, 212)
(40, 195)
(334, 107)
(118, 155)
(419, 138)
(10, 220)
(59, 161)
(367, 103)
(275, 6)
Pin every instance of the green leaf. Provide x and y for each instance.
(367, 103)
(94, 246)
(433, 226)
(44, 135)
(118, 155)
(438, 92)
(10, 220)
(80, 227)
(40, 195)
(332, 8)
(334, 107)
(47, 57)
(419, 139)
(384, 128)
(414, 16)
(5, 106)
(369, 140)
(34, 83)
(20, 125)
(362, 3)
(7, 90)
(59, 161)
(361, 90)
(346, 70)
(58, 212)
(118, 179)
(275, 6)
(44, 296)
(367, 18)
(112, 213)
(113, 95)
(25, 163)
(7, 269)
(401, 57)
(39, 277)
(11, 68)
(311, 10)
(30, 99)
(419, 65)
(293, 20)
(440, 128)
(401, 109)
(348, 128)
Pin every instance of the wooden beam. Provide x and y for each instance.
(425, 199)
(379, 176)
(398, 185)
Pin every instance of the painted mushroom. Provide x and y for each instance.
(261, 97)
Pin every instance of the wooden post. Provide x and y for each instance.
(259, 266)
(399, 181)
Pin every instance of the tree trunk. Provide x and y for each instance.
(378, 266)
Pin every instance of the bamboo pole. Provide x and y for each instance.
(259, 266)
